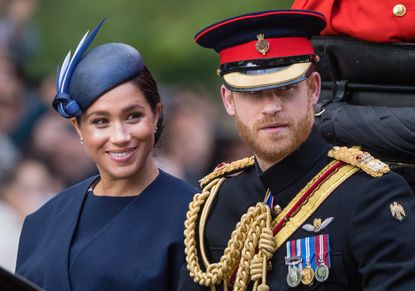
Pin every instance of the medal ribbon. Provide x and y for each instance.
(307, 244)
(299, 251)
(322, 246)
(269, 200)
(293, 254)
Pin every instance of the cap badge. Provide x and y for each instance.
(397, 211)
(262, 46)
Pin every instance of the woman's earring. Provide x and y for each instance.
(81, 140)
(155, 129)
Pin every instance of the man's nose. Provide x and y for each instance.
(272, 103)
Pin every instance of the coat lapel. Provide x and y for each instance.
(65, 226)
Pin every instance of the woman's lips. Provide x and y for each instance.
(122, 156)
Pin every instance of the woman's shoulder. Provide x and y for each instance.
(171, 189)
(67, 195)
(167, 180)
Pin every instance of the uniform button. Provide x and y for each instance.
(399, 10)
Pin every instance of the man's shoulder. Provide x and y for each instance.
(363, 160)
(227, 170)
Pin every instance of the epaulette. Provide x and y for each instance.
(225, 169)
(358, 158)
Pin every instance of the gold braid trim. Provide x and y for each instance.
(363, 160)
(313, 202)
(227, 169)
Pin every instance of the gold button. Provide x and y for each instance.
(277, 209)
(399, 10)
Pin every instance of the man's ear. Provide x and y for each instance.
(314, 85)
(228, 101)
(76, 125)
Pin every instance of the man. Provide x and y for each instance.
(299, 215)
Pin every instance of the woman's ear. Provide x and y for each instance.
(228, 100)
(159, 109)
(76, 125)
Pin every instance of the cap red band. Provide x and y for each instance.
(278, 47)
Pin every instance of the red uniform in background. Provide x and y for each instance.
(376, 21)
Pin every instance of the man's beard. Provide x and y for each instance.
(277, 146)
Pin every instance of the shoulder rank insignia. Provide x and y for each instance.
(318, 224)
(225, 169)
(358, 158)
(397, 211)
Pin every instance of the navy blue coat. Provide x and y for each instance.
(141, 248)
(370, 249)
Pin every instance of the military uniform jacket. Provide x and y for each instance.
(141, 248)
(370, 248)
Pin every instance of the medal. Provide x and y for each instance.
(322, 272)
(293, 259)
(307, 275)
(323, 253)
(294, 277)
(294, 273)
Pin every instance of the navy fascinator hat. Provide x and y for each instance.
(84, 78)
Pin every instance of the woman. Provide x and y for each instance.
(122, 229)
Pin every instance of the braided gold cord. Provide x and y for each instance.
(253, 243)
(203, 218)
(248, 253)
(256, 268)
(252, 233)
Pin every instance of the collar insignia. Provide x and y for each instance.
(262, 46)
(317, 224)
(397, 211)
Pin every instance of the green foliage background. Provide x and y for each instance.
(162, 30)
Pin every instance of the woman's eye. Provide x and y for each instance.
(135, 115)
(99, 122)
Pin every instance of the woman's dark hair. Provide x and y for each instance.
(146, 83)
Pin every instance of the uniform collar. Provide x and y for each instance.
(298, 165)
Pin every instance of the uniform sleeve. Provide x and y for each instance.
(382, 244)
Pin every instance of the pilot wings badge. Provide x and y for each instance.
(397, 211)
(317, 224)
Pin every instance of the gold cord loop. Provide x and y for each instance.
(250, 236)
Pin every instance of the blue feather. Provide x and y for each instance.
(80, 50)
(63, 70)
(57, 80)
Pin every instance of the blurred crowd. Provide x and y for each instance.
(40, 153)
